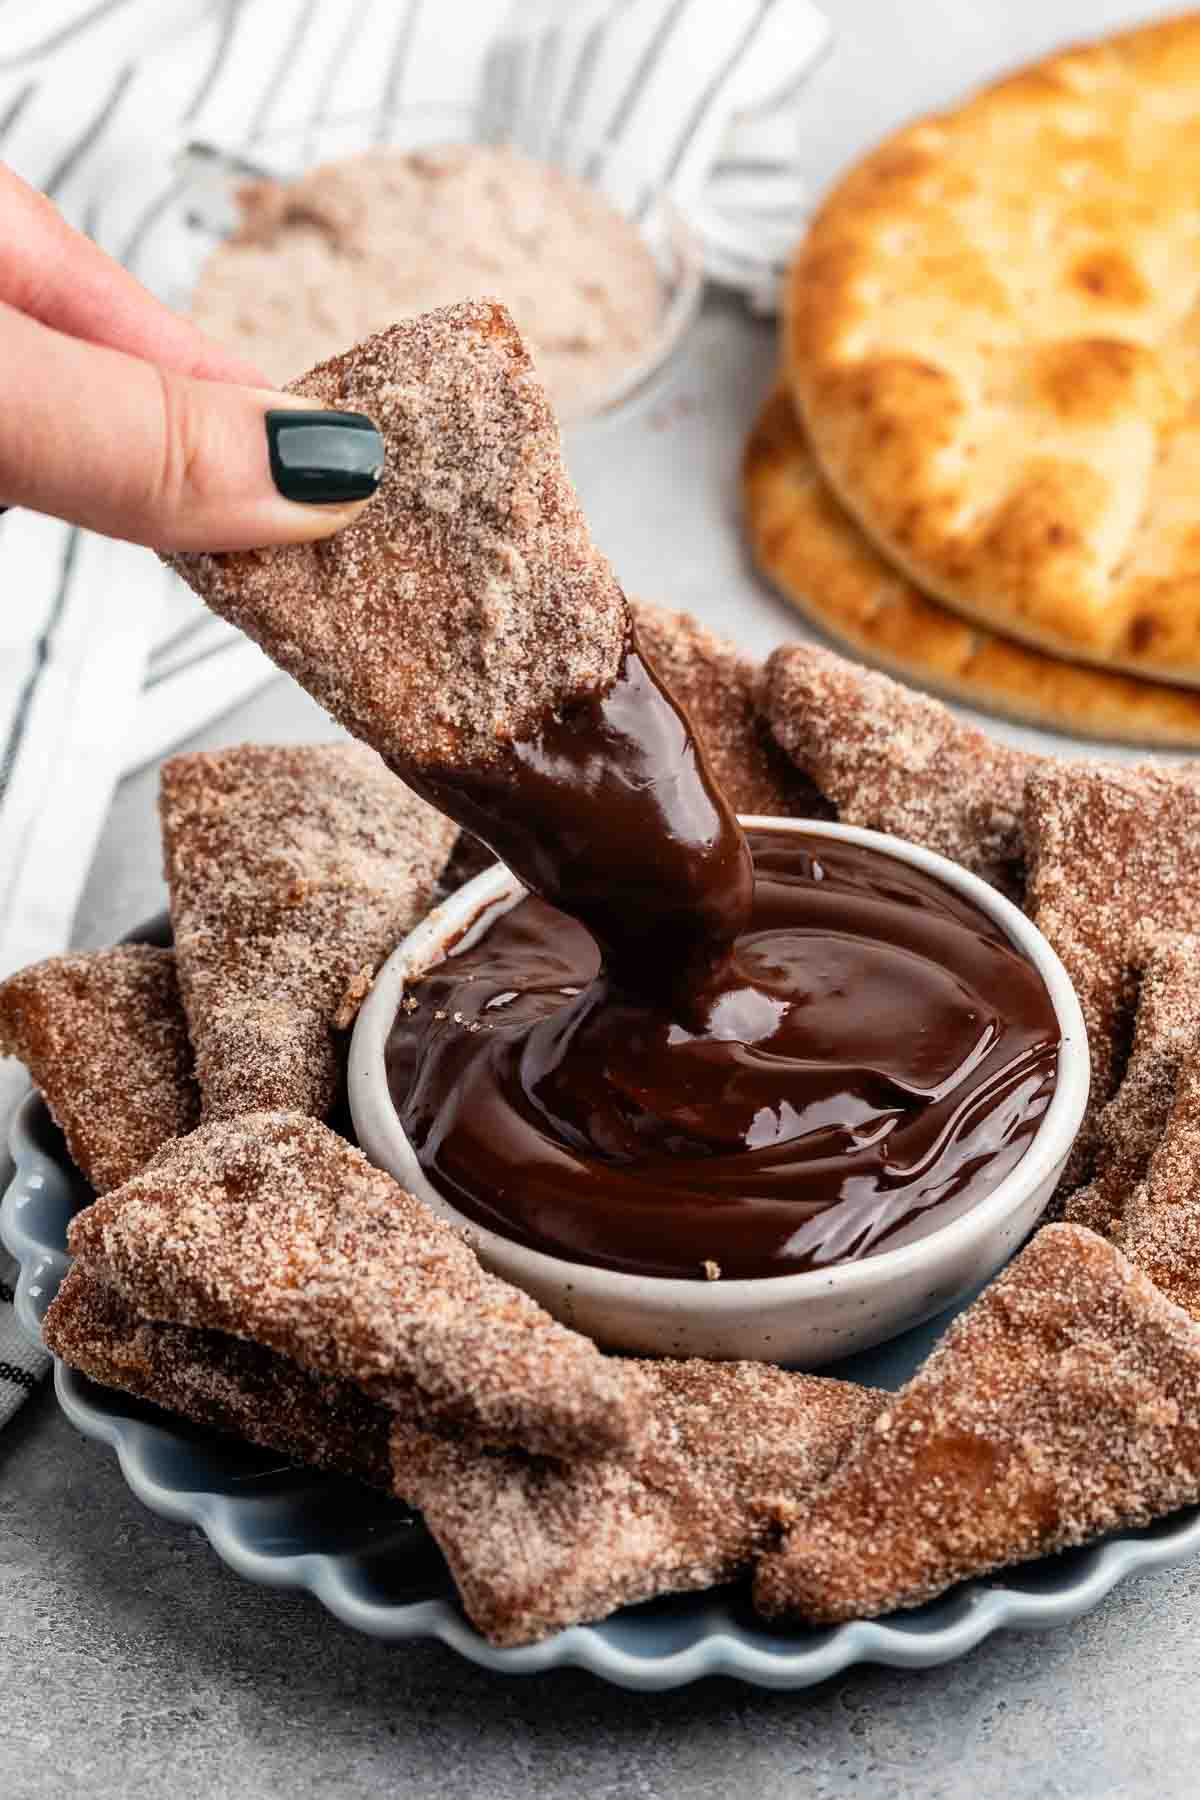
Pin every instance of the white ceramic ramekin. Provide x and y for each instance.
(806, 1319)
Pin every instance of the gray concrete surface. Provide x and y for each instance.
(132, 1663)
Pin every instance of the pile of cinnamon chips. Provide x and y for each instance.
(245, 1266)
(254, 1273)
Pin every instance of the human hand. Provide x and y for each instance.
(120, 415)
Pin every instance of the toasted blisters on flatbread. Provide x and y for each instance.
(991, 333)
(272, 1228)
(806, 543)
(293, 870)
(535, 1544)
(104, 1037)
(466, 604)
(1060, 1405)
(891, 759)
(219, 1381)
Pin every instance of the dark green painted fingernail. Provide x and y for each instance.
(324, 458)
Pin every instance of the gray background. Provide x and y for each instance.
(134, 1663)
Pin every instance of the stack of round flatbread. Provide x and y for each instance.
(981, 466)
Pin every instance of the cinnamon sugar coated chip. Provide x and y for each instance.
(1062, 1404)
(467, 602)
(217, 1381)
(272, 1228)
(1161, 1228)
(715, 682)
(894, 760)
(1145, 1189)
(294, 870)
(1165, 967)
(535, 1545)
(1112, 849)
(104, 1038)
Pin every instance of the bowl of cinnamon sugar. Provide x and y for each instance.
(975, 1140)
(292, 247)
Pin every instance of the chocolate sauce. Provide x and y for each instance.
(612, 815)
(867, 1060)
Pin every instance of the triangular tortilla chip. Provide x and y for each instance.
(1165, 966)
(293, 870)
(1161, 1228)
(534, 1544)
(1113, 849)
(1059, 1406)
(218, 1381)
(273, 1229)
(104, 1037)
(466, 604)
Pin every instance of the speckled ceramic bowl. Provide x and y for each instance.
(808, 1319)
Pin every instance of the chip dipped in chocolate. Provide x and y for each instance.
(467, 602)
(466, 627)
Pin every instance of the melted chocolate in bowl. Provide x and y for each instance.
(868, 1061)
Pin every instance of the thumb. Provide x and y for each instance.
(108, 441)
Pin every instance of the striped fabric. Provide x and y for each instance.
(22, 1363)
(105, 660)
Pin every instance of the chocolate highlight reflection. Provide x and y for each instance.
(874, 1058)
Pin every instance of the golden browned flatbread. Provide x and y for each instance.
(809, 546)
(992, 334)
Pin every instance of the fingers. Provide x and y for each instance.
(114, 443)
(57, 275)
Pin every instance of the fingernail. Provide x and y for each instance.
(324, 458)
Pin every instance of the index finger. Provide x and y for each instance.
(61, 278)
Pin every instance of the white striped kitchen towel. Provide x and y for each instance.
(97, 96)
(105, 660)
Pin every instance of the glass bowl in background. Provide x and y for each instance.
(201, 210)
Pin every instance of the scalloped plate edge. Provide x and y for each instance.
(988, 1607)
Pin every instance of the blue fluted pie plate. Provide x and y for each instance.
(373, 1566)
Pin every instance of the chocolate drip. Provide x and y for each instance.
(612, 815)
